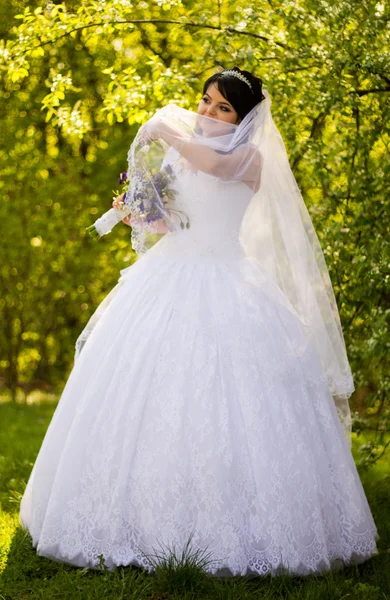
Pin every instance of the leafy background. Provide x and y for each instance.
(78, 78)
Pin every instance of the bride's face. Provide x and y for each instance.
(215, 106)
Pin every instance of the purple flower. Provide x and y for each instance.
(122, 177)
(150, 193)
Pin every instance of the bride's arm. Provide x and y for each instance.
(244, 163)
(161, 224)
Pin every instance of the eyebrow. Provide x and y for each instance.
(227, 103)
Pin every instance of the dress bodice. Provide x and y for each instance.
(215, 209)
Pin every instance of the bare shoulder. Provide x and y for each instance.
(255, 154)
(255, 164)
(252, 154)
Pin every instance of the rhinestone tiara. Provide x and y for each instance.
(239, 75)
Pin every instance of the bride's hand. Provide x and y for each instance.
(127, 220)
(116, 204)
(152, 129)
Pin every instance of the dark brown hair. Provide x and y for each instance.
(237, 92)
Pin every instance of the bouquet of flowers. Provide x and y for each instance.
(151, 195)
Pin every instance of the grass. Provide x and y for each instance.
(24, 575)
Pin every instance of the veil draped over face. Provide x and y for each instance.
(276, 229)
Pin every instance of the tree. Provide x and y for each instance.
(79, 78)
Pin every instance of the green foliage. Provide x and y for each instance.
(174, 572)
(78, 78)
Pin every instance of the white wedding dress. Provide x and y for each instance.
(198, 407)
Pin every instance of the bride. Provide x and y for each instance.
(209, 396)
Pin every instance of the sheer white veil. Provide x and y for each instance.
(276, 230)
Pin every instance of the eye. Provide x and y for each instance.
(224, 108)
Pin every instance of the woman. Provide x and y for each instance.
(210, 390)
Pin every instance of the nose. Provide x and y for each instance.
(210, 112)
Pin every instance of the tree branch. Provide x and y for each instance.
(227, 29)
(372, 91)
(145, 42)
(316, 128)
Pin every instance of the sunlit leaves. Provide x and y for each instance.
(79, 78)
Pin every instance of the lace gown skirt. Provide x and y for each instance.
(198, 407)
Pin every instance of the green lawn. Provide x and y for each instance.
(24, 575)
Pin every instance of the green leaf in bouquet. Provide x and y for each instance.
(92, 231)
